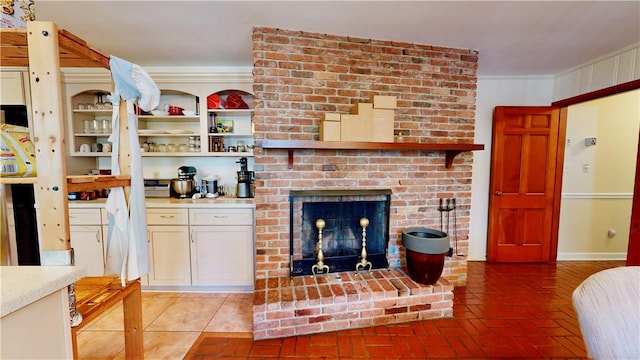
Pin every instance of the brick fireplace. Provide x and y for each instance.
(341, 213)
(297, 77)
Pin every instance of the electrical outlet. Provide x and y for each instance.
(156, 174)
(586, 168)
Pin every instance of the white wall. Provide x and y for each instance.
(598, 181)
(492, 92)
(616, 68)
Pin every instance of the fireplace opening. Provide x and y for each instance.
(343, 213)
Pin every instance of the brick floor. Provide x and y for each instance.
(505, 311)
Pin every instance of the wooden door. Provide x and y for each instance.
(523, 181)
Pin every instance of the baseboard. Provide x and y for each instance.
(575, 256)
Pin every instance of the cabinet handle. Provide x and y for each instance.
(191, 237)
(167, 216)
(220, 216)
(148, 237)
(98, 237)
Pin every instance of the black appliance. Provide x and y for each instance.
(26, 226)
(245, 180)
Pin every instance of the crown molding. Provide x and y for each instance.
(162, 75)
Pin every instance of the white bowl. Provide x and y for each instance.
(189, 112)
(159, 113)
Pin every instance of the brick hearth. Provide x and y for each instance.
(287, 306)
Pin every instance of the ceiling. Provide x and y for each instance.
(512, 37)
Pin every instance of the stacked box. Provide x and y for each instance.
(329, 129)
(382, 125)
(368, 122)
(384, 102)
(351, 128)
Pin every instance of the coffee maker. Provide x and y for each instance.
(185, 185)
(245, 180)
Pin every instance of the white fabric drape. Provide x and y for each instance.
(127, 250)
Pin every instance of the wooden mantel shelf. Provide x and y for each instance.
(450, 150)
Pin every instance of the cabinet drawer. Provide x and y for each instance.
(84, 216)
(162, 216)
(221, 216)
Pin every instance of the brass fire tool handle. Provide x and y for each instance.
(320, 265)
(364, 263)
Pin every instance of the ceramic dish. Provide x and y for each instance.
(159, 113)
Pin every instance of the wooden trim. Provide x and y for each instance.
(631, 85)
(557, 191)
(633, 249)
(633, 252)
(72, 50)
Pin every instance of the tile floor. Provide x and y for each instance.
(172, 322)
(511, 311)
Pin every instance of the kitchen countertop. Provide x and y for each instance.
(24, 285)
(223, 201)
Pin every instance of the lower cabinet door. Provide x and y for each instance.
(169, 255)
(86, 241)
(222, 255)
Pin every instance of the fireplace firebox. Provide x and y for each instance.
(343, 215)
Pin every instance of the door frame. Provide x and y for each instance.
(633, 252)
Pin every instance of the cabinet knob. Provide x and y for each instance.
(498, 193)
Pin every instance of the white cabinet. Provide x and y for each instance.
(90, 122)
(163, 134)
(222, 251)
(221, 255)
(85, 230)
(160, 133)
(169, 255)
(231, 129)
(11, 88)
(199, 248)
(169, 252)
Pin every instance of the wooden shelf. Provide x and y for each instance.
(95, 182)
(450, 150)
(18, 180)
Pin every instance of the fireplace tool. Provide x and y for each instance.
(320, 265)
(364, 222)
(448, 208)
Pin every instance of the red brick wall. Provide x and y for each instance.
(299, 75)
